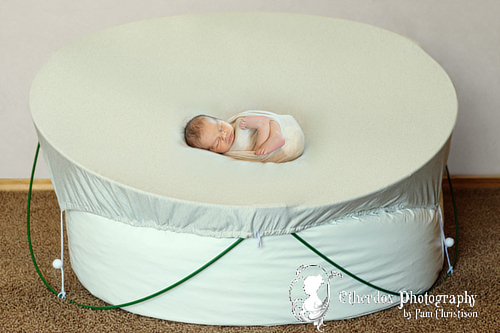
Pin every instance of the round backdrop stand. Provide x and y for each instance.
(144, 211)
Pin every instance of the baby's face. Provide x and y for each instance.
(216, 135)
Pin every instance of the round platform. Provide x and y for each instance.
(377, 114)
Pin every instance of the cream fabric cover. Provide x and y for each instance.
(377, 113)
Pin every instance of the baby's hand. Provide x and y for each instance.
(274, 142)
(243, 124)
(256, 122)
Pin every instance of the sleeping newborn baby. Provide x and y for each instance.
(250, 135)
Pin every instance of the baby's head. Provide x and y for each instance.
(207, 132)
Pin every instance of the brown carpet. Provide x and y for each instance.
(26, 305)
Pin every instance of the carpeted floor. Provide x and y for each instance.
(26, 305)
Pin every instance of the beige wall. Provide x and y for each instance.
(462, 35)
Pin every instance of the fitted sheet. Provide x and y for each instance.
(376, 110)
(396, 250)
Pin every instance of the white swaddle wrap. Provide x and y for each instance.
(245, 140)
